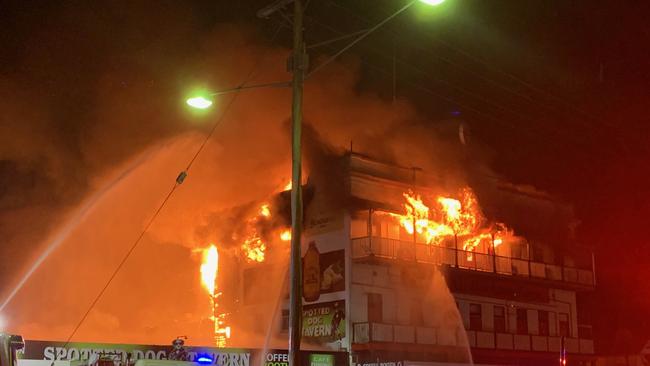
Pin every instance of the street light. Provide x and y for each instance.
(432, 2)
(199, 102)
(368, 31)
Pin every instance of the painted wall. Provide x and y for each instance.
(397, 302)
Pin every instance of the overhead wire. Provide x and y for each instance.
(370, 30)
(553, 131)
(177, 183)
(438, 95)
(359, 39)
(411, 66)
(534, 102)
(533, 132)
(445, 59)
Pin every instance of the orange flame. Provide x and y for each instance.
(210, 268)
(265, 211)
(287, 186)
(254, 249)
(285, 235)
(451, 217)
(209, 273)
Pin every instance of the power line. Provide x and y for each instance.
(554, 131)
(121, 264)
(436, 79)
(446, 60)
(179, 181)
(511, 76)
(370, 30)
(446, 98)
(530, 131)
(360, 38)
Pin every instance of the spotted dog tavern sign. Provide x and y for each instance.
(59, 351)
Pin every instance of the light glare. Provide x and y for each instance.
(204, 360)
(199, 102)
(432, 2)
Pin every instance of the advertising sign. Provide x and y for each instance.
(316, 359)
(322, 272)
(332, 269)
(324, 322)
(50, 351)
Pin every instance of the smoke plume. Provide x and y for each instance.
(85, 98)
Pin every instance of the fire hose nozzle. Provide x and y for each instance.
(181, 177)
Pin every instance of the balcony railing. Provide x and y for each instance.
(368, 332)
(425, 253)
(380, 332)
(528, 342)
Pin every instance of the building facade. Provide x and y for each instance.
(389, 297)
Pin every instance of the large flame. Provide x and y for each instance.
(210, 269)
(209, 275)
(460, 218)
(253, 245)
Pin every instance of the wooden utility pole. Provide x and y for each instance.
(298, 63)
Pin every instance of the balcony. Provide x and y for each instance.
(392, 249)
(528, 342)
(369, 332)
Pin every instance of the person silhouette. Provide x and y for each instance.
(178, 352)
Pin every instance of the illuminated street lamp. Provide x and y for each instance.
(432, 2)
(199, 102)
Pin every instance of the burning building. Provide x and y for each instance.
(399, 268)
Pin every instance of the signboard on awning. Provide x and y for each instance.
(50, 351)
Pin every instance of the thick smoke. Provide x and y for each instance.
(75, 117)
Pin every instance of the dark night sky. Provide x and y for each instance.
(557, 89)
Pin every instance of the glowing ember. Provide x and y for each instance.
(265, 210)
(287, 186)
(209, 274)
(253, 249)
(285, 235)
